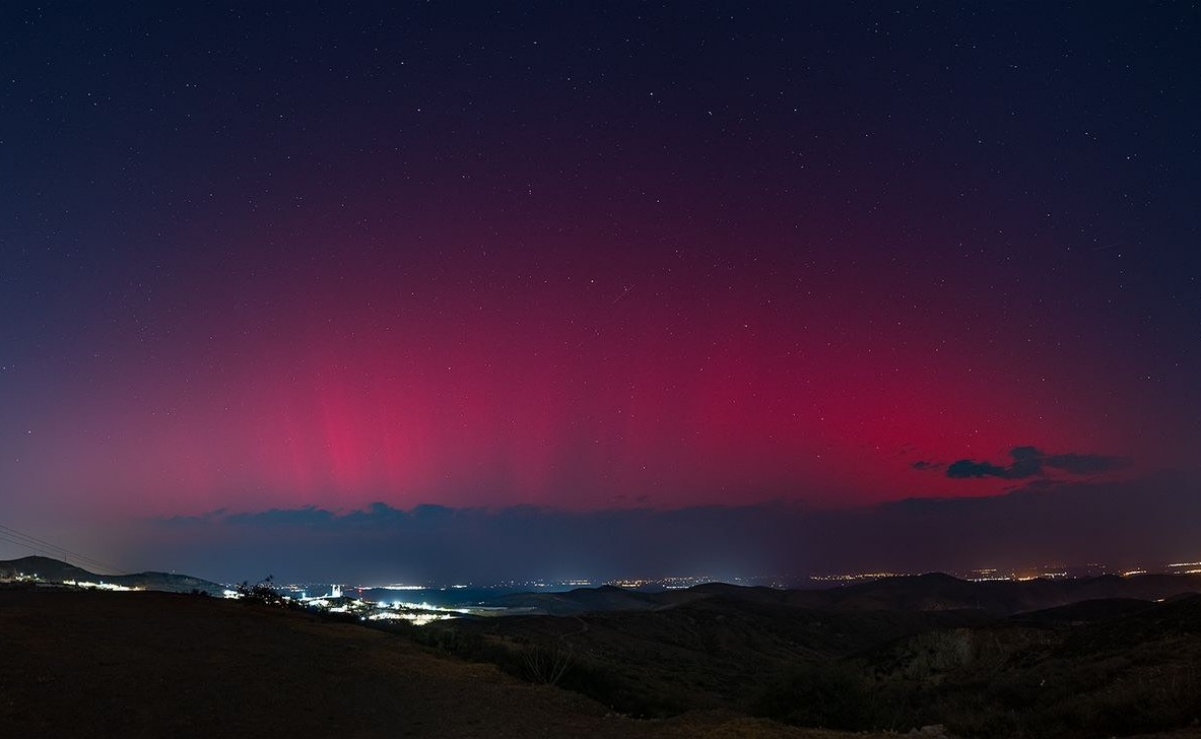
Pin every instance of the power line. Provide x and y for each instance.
(37, 545)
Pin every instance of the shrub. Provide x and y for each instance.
(545, 665)
(829, 696)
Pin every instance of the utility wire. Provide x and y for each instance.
(37, 545)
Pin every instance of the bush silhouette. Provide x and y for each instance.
(829, 696)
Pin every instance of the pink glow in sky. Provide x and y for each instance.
(823, 256)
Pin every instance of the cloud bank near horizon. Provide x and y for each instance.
(1045, 521)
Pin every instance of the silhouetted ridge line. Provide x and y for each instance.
(54, 571)
(916, 593)
(21, 539)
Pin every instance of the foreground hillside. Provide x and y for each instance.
(719, 663)
(1115, 667)
(82, 663)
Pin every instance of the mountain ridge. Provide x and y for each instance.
(55, 571)
(926, 592)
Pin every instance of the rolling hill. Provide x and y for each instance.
(54, 571)
(931, 592)
(1052, 658)
(718, 661)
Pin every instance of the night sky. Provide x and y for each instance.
(472, 290)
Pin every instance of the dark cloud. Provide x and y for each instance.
(1045, 520)
(1085, 464)
(432, 542)
(968, 468)
(1030, 462)
(923, 465)
(1027, 462)
(307, 516)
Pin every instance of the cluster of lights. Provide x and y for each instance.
(418, 614)
(21, 577)
(667, 583)
(83, 584)
(98, 586)
(521, 584)
(987, 574)
(417, 619)
(855, 576)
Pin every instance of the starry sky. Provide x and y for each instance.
(498, 289)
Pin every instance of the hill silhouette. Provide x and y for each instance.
(54, 571)
(994, 659)
(930, 592)
(43, 568)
